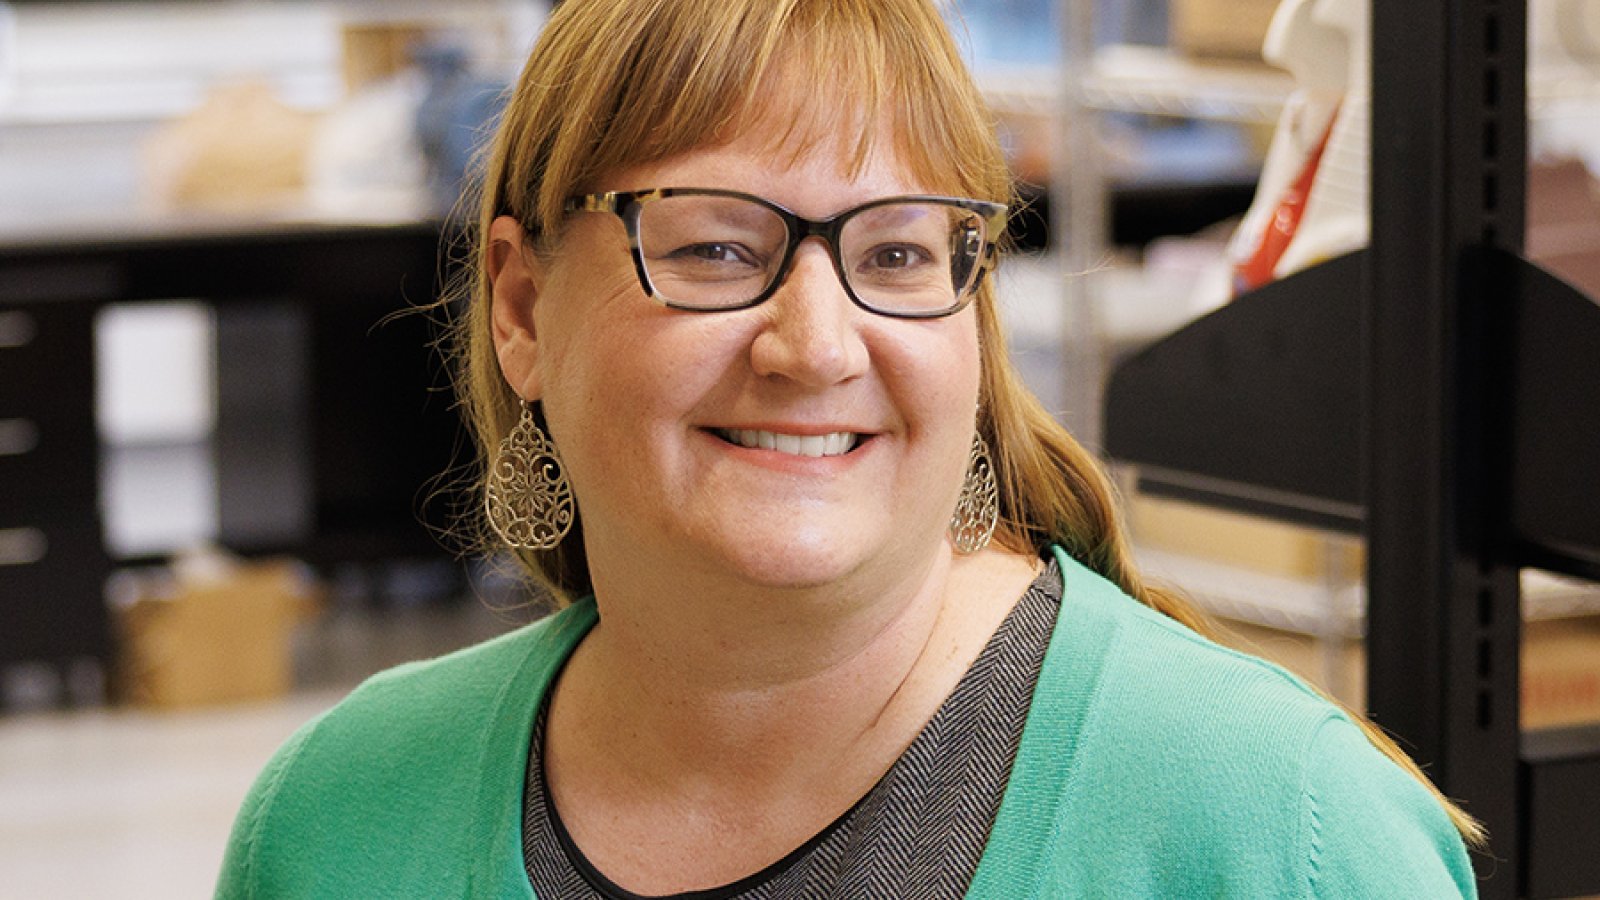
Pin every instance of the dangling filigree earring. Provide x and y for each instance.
(528, 501)
(978, 510)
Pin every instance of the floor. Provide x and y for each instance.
(130, 803)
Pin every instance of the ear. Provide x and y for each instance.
(516, 277)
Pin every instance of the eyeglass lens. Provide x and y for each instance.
(713, 252)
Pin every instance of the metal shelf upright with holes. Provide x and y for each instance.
(1435, 392)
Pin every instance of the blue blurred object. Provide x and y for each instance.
(1009, 32)
(1028, 32)
(456, 116)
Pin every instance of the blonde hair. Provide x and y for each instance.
(618, 83)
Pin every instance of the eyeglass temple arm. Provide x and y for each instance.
(593, 203)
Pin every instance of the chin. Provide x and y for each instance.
(807, 559)
(797, 561)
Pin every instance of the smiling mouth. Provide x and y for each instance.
(813, 445)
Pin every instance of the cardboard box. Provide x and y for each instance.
(221, 638)
(1564, 221)
(1226, 29)
(1249, 542)
(243, 148)
(1560, 650)
(1561, 672)
(1560, 666)
(375, 51)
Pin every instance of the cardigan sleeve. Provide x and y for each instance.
(1374, 831)
(241, 875)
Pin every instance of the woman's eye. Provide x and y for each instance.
(899, 256)
(715, 253)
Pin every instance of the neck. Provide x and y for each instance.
(744, 664)
(741, 680)
(703, 730)
(692, 631)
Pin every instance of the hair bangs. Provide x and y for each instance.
(855, 73)
(684, 75)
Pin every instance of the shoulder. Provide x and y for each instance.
(416, 706)
(1374, 828)
(416, 700)
(1149, 677)
(398, 765)
(1185, 750)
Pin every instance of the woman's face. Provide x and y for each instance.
(642, 400)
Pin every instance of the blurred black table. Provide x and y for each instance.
(335, 418)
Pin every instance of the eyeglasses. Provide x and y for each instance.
(911, 257)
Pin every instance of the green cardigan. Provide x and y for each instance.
(1153, 764)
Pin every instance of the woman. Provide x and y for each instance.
(856, 617)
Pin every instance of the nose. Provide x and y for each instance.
(810, 333)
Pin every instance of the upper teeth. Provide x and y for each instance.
(835, 444)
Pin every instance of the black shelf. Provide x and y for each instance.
(334, 414)
(1142, 210)
(1555, 509)
(1557, 778)
(1255, 407)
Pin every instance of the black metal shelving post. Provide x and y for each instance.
(1443, 611)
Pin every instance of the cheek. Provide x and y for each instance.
(640, 366)
(574, 338)
(621, 370)
(938, 369)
